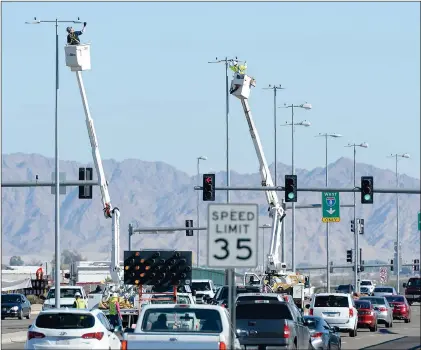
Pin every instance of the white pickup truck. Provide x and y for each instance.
(176, 327)
(67, 296)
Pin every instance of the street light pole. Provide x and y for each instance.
(263, 248)
(306, 106)
(57, 278)
(275, 88)
(356, 233)
(197, 210)
(398, 255)
(326, 136)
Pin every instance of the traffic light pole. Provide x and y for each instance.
(314, 189)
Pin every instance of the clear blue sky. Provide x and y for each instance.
(154, 97)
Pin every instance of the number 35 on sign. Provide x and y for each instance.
(232, 235)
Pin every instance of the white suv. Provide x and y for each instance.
(337, 309)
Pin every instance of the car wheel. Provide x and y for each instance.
(353, 333)
(387, 324)
(3, 318)
(406, 320)
(410, 303)
(20, 315)
(29, 315)
(391, 323)
(373, 329)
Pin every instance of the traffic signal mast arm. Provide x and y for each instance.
(109, 211)
(240, 88)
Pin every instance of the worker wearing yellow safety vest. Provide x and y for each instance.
(238, 68)
(79, 303)
(114, 309)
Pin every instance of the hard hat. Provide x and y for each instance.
(69, 29)
(115, 295)
(77, 294)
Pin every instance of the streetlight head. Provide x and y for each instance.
(305, 123)
(364, 145)
(202, 158)
(335, 135)
(33, 22)
(307, 106)
(406, 155)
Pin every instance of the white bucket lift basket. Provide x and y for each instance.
(78, 57)
(241, 85)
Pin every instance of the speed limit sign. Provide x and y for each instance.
(232, 235)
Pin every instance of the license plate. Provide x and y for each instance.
(63, 342)
(331, 314)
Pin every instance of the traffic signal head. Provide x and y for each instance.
(367, 189)
(157, 268)
(349, 255)
(189, 223)
(208, 187)
(290, 188)
(352, 226)
(85, 192)
(391, 265)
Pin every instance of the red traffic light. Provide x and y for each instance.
(208, 179)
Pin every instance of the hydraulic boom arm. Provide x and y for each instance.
(109, 211)
(240, 88)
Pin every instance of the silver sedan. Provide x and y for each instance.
(322, 335)
(383, 309)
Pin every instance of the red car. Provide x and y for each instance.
(367, 316)
(401, 307)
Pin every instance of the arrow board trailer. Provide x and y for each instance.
(233, 235)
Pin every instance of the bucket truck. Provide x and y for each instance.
(78, 59)
(275, 274)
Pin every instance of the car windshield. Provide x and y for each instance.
(331, 301)
(201, 286)
(364, 289)
(375, 301)
(223, 292)
(365, 283)
(263, 312)
(177, 320)
(65, 321)
(64, 293)
(10, 298)
(255, 297)
(359, 304)
(395, 298)
(312, 322)
(346, 287)
(383, 290)
(416, 282)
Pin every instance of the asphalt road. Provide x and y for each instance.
(403, 336)
(11, 325)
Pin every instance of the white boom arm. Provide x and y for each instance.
(109, 211)
(240, 88)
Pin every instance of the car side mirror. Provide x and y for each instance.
(307, 306)
(42, 297)
(404, 285)
(336, 329)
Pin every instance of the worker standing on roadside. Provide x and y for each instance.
(114, 309)
(73, 36)
(79, 303)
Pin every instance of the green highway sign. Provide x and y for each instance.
(330, 207)
(419, 221)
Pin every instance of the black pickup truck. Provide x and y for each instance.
(266, 323)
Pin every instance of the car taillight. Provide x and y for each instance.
(382, 308)
(96, 335)
(287, 332)
(222, 346)
(316, 335)
(311, 312)
(123, 345)
(32, 335)
(351, 312)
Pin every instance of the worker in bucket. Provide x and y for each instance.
(238, 68)
(73, 36)
(79, 302)
(114, 309)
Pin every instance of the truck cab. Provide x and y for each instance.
(204, 288)
(413, 290)
(67, 296)
(369, 284)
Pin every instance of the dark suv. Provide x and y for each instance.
(413, 290)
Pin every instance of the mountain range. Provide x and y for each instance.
(155, 194)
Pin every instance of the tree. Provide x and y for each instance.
(68, 256)
(16, 261)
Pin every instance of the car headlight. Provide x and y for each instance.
(46, 306)
(14, 308)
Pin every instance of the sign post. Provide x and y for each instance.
(233, 243)
(419, 221)
(331, 207)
